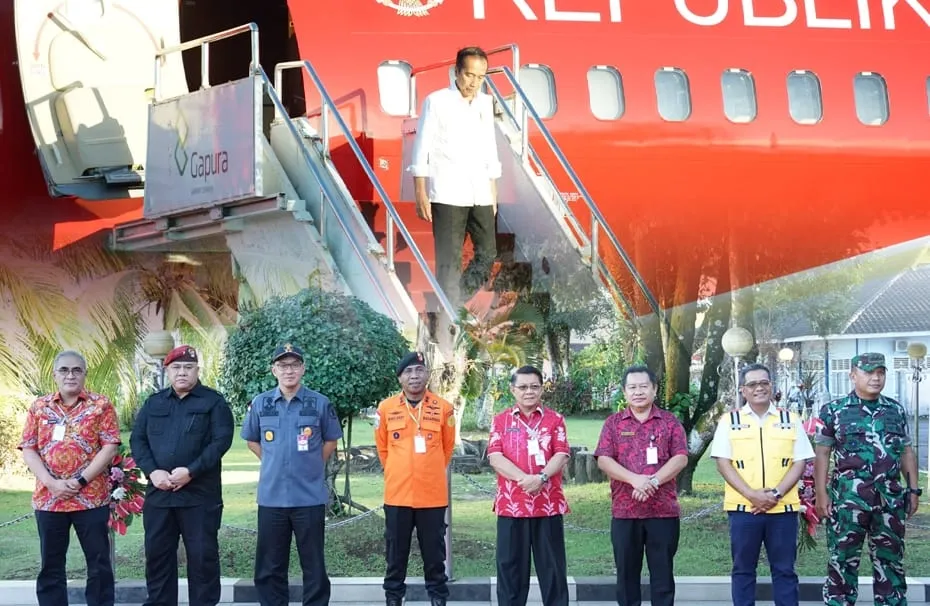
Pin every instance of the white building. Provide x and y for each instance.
(890, 313)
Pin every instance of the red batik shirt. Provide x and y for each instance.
(625, 440)
(510, 435)
(89, 425)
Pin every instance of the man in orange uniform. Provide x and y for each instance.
(415, 434)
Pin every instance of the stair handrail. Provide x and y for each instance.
(598, 222)
(204, 43)
(393, 219)
(328, 194)
(567, 213)
(513, 48)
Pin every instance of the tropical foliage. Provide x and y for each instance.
(127, 491)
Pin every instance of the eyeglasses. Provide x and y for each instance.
(77, 371)
(754, 384)
(289, 367)
(521, 388)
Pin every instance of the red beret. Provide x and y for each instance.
(184, 353)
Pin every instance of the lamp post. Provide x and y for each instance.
(156, 345)
(737, 342)
(785, 355)
(917, 352)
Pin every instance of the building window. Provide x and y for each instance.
(538, 82)
(394, 87)
(605, 91)
(739, 95)
(673, 94)
(871, 98)
(805, 102)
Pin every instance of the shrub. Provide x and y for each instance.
(350, 350)
(12, 418)
(567, 397)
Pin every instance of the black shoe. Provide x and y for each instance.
(437, 601)
(395, 601)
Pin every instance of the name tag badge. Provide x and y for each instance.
(303, 443)
(540, 459)
(58, 434)
(419, 444)
(652, 456)
(532, 447)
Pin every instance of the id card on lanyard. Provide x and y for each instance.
(532, 443)
(419, 442)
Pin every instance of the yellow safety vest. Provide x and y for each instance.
(762, 456)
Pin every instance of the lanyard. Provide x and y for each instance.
(416, 419)
(532, 432)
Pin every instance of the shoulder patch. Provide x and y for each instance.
(451, 421)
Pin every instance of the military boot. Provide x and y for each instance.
(395, 601)
(437, 601)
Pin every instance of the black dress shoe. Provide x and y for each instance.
(394, 601)
(437, 601)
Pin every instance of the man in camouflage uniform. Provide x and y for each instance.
(868, 436)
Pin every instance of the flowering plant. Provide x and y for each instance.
(808, 530)
(128, 492)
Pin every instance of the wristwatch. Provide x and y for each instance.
(917, 491)
(654, 481)
(777, 494)
(543, 477)
(81, 481)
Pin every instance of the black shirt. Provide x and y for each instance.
(193, 432)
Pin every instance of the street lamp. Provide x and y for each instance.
(785, 355)
(917, 352)
(156, 345)
(737, 342)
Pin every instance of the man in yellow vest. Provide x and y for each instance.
(761, 451)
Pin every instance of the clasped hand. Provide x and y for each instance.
(762, 500)
(174, 481)
(643, 488)
(530, 483)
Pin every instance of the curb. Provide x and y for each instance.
(478, 590)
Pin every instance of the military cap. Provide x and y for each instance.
(869, 361)
(183, 353)
(411, 359)
(287, 350)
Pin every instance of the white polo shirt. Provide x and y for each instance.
(722, 449)
(456, 148)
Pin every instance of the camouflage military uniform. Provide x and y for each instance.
(868, 438)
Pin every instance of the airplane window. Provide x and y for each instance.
(673, 94)
(739, 95)
(538, 82)
(394, 87)
(805, 102)
(605, 90)
(871, 98)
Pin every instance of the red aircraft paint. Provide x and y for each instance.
(775, 196)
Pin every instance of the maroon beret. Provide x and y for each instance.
(184, 353)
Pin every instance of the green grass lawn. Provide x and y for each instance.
(357, 549)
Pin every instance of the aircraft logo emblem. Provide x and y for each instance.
(411, 8)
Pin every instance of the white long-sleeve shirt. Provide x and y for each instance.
(456, 148)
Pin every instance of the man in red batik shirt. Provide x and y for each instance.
(69, 440)
(642, 449)
(528, 448)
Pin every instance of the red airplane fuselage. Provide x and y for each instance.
(775, 195)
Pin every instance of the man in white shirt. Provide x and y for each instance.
(455, 169)
(761, 451)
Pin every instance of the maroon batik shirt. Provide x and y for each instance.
(625, 440)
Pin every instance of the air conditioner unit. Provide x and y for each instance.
(900, 346)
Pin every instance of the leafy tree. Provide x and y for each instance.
(350, 350)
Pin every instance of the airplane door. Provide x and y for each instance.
(87, 72)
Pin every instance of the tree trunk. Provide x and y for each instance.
(558, 345)
(347, 443)
(681, 340)
(652, 349)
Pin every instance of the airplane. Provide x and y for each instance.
(778, 135)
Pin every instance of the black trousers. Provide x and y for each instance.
(430, 523)
(276, 525)
(198, 525)
(659, 538)
(546, 538)
(450, 224)
(90, 526)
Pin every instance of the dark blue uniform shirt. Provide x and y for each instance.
(291, 435)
